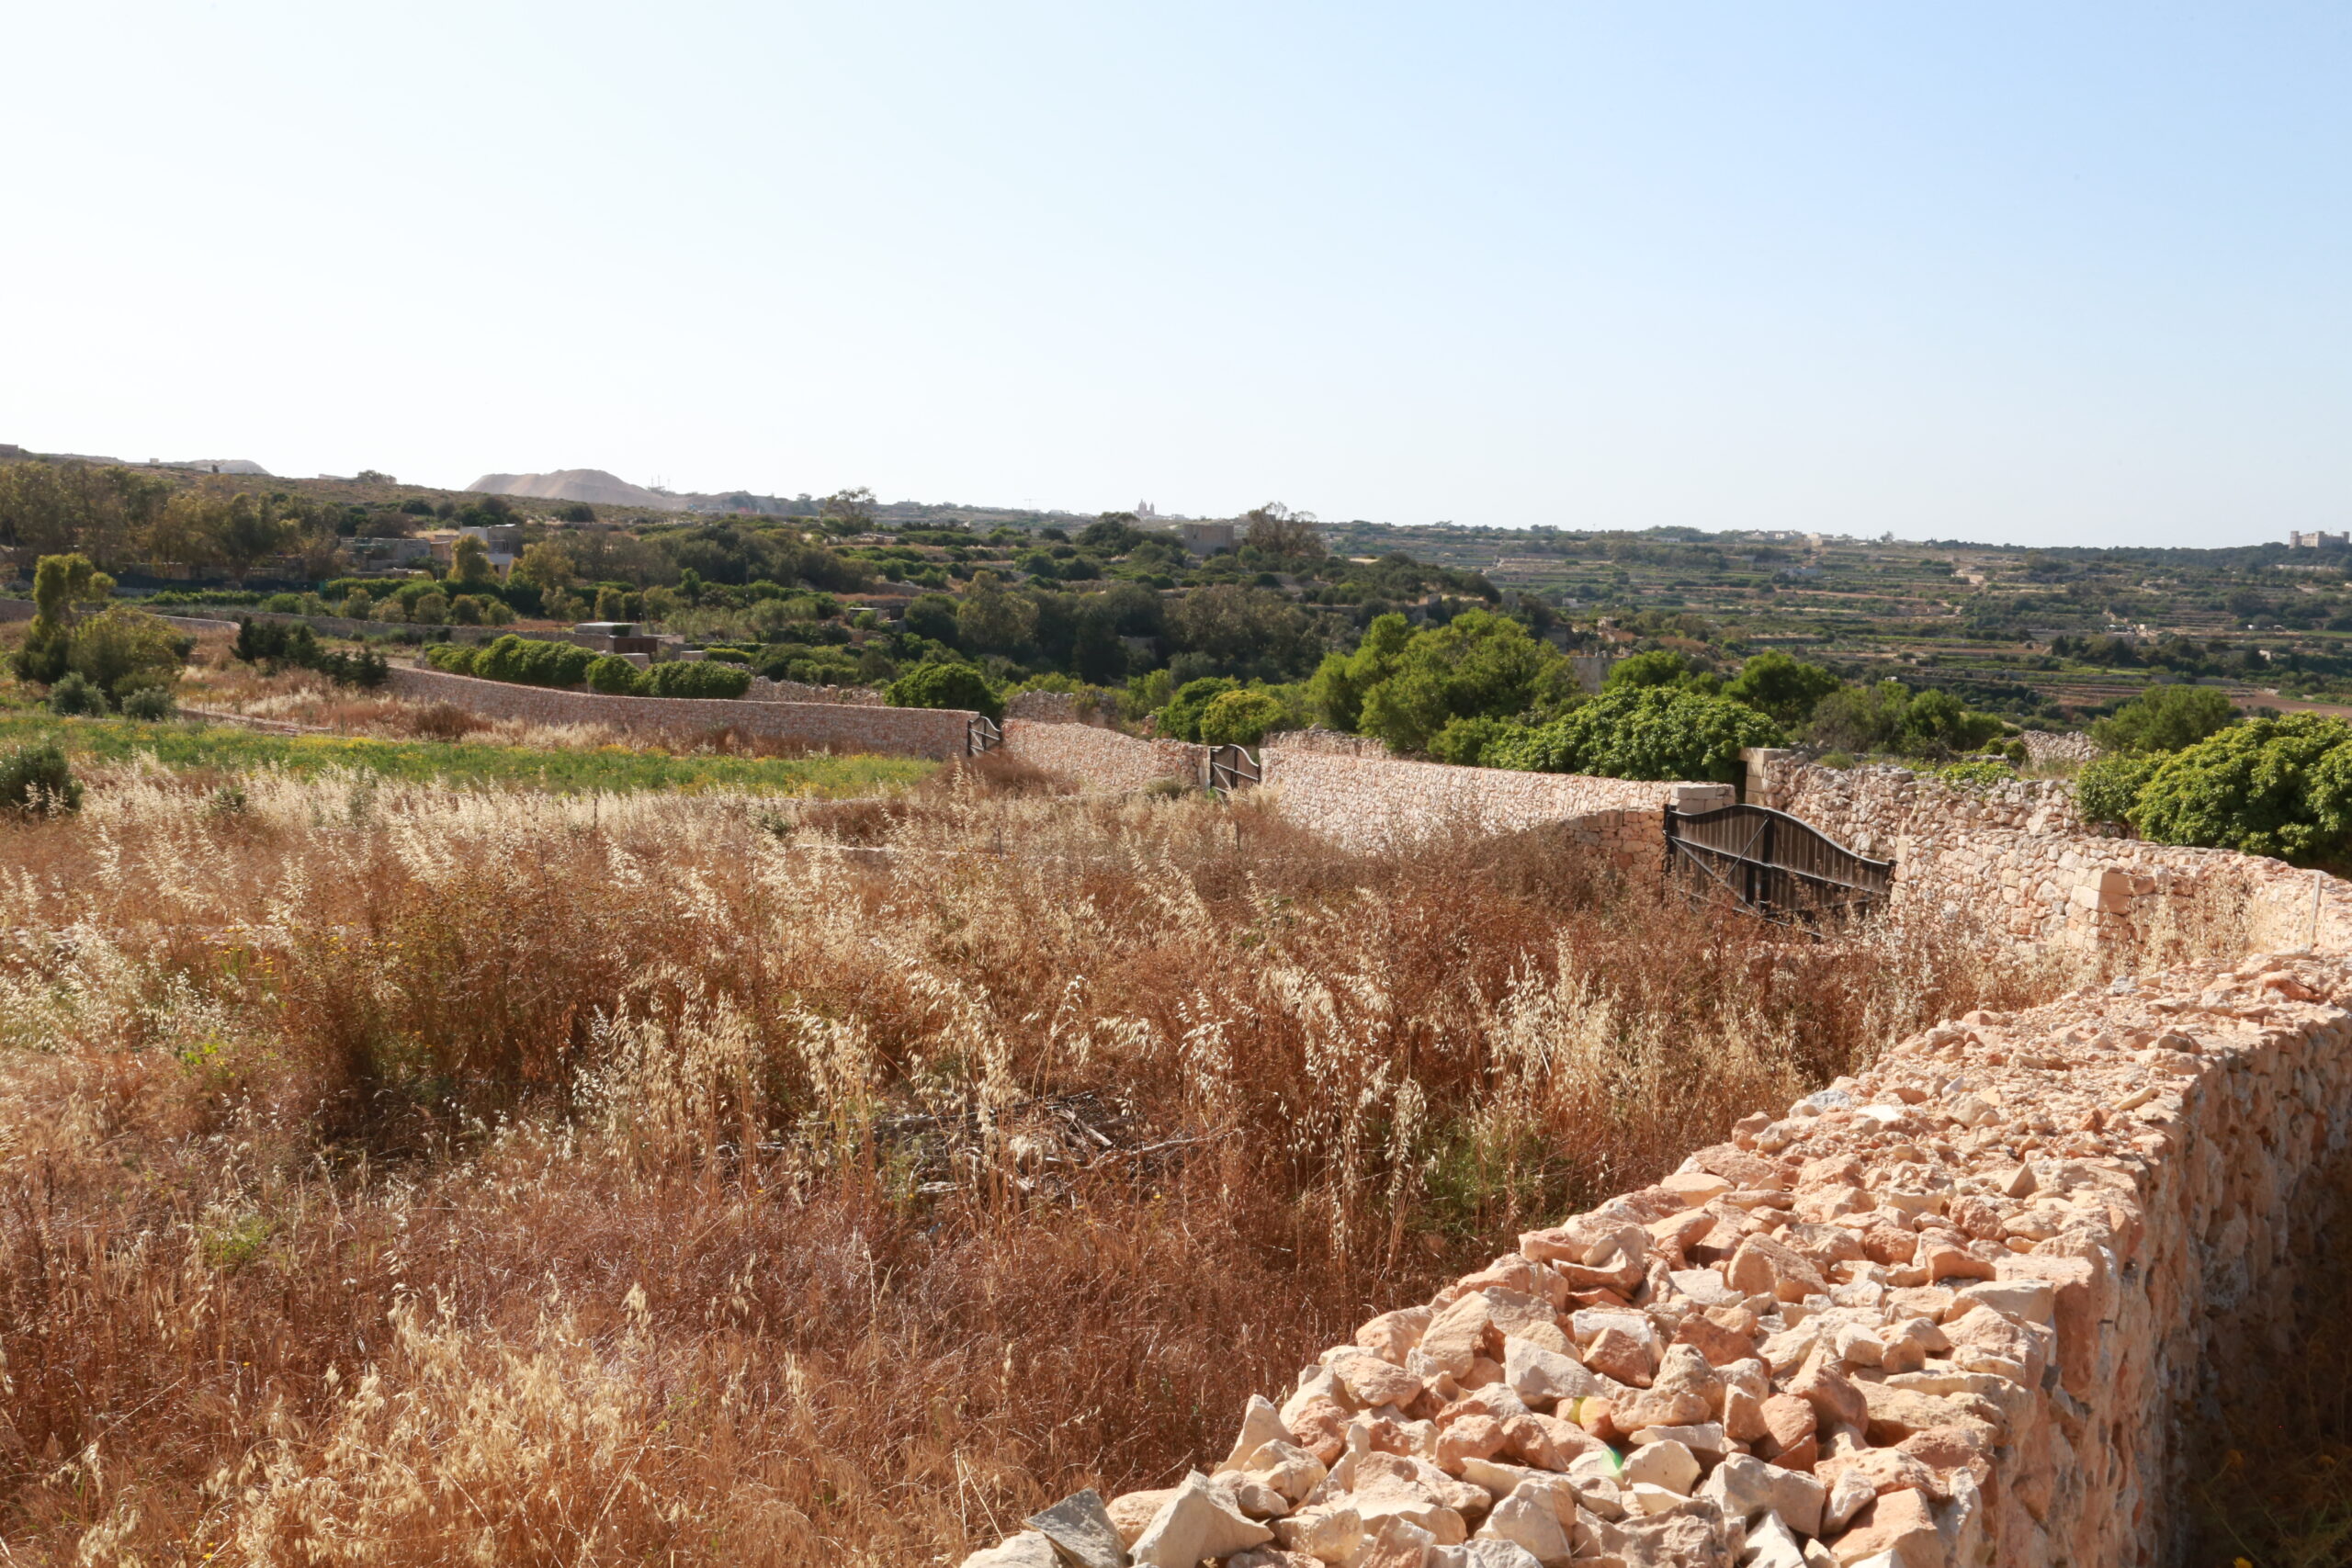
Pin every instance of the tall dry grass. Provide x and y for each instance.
(390, 1175)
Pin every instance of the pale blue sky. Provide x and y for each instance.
(2074, 274)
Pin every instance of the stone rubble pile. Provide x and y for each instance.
(1935, 1315)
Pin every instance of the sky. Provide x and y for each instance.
(2008, 272)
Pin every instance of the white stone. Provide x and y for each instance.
(1669, 1465)
(1197, 1522)
(1027, 1549)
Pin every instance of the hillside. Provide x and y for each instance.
(594, 486)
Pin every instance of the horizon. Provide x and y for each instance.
(2012, 277)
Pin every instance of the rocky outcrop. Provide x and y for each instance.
(1943, 1313)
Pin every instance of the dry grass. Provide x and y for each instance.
(390, 1175)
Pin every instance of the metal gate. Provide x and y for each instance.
(1772, 865)
(982, 736)
(1229, 768)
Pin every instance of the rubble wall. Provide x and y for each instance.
(1095, 758)
(1945, 1315)
(2021, 854)
(1372, 803)
(905, 732)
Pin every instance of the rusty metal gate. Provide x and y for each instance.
(982, 736)
(1772, 865)
(1229, 768)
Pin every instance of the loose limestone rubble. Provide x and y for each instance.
(1941, 1314)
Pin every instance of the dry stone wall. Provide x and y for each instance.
(907, 732)
(1372, 803)
(1942, 1315)
(1101, 759)
(2021, 854)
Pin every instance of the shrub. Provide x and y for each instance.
(1977, 774)
(614, 676)
(2166, 718)
(679, 678)
(455, 658)
(2271, 787)
(283, 604)
(1465, 741)
(76, 693)
(357, 606)
(2107, 790)
(1240, 718)
(1181, 720)
(1642, 732)
(121, 649)
(945, 686)
(35, 779)
(366, 668)
(151, 703)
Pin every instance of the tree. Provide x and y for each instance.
(1642, 732)
(1180, 718)
(547, 566)
(122, 650)
(1658, 667)
(1342, 678)
(2166, 718)
(469, 563)
(1479, 665)
(1096, 652)
(1274, 529)
(1784, 689)
(245, 532)
(933, 615)
(848, 511)
(1245, 631)
(1240, 718)
(1113, 534)
(992, 619)
(61, 584)
(944, 686)
(2269, 786)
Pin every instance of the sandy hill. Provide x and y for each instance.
(594, 486)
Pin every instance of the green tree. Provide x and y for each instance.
(2166, 718)
(62, 585)
(992, 619)
(1180, 718)
(469, 563)
(933, 615)
(247, 533)
(1642, 732)
(122, 650)
(1784, 689)
(2269, 786)
(1479, 665)
(1341, 680)
(1274, 529)
(1240, 718)
(1658, 667)
(939, 685)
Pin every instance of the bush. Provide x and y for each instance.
(615, 677)
(1642, 732)
(77, 695)
(121, 649)
(34, 779)
(283, 604)
(2270, 787)
(1180, 718)
(1977, 774)
(152, 705)
(1465, 741)
(679, 678)
(1240, 718)
(2107, 790)
(366, 668)
(945, 686)
(532, 661)
(2166, 718)
(453, 658)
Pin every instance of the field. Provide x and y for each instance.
(395, 1174)
(614, 768)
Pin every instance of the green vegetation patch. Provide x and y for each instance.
(611, 769)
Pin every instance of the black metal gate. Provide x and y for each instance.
(1772, 865)
(1230, 768)
(982, 736)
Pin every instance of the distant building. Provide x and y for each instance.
(1207, 538)
(2315, 540)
